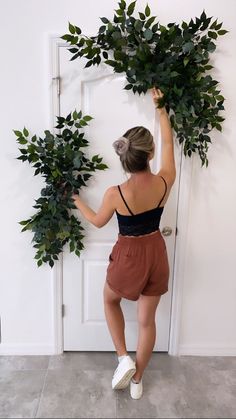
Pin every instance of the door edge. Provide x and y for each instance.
(183, 210)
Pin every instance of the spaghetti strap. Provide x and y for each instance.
(125, 201)
(164, 192)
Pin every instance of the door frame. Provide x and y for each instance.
(53, 44)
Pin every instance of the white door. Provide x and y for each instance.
(99, 92)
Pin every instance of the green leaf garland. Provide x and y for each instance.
(174, 58)
(61, 160)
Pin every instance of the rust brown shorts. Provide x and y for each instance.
(138, 265)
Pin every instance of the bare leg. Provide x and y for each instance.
(147, 332)
(115, 319)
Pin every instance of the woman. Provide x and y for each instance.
(138, 268)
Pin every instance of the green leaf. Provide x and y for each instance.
(77, 30)
(174, 74)
(128, 86)
(104, 20)
(112, 63)
(148, 34)
(110, 27)
(218, 127)
(71, 28)
(189, 46)
(18, 133)
(138, 25)
(119, 12)
(88, 118)
(147, 10)
(218, 26)
(95, 158)
(122, 4)
(51, 263)
(212, 34)
(67, 37)
(37, 171)
(131, 8)
(102, 29)
(219, 97)
(22, 141)
(222, 32)
(186, 60)
(88, 64)
(25, 132)
(101, 166)
(83, 123)
(73, 50)
(72, 246)
(142, 16)
(203, 15)
(38, 255)
(116, 35)
(105, 54)
(213, 25)
(211, 47)
(23, 151)
(75, 115)
(208, 67)
(155, 27)
(24, 222)
(119, 55)
(150, 21)
(23, 158)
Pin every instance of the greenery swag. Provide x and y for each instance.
(61, 161)
(174, 58)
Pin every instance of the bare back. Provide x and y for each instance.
(142, 192)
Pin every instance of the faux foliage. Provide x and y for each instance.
(174, 58)
(61, 160)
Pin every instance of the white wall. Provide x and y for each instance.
(26, 292)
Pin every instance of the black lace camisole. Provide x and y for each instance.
(142, 223)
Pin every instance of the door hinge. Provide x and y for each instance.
(58, 81)
(63, 310)
(176, 231)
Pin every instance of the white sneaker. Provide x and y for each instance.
(136, 389)
(123, 373)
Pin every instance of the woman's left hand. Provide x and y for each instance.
(75, 196)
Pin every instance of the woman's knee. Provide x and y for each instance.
(145, 321)
(147, 311)
(109, 296)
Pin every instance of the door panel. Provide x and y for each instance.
(99, 92)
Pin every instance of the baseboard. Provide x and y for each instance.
(26, 349)
(207, 350)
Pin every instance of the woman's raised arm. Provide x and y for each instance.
(167, 168)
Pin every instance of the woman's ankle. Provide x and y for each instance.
(137, 377)
(120, 357)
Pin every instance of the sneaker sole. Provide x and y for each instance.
(124, 381)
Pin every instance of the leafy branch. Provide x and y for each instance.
(61, 160)
(175, 58)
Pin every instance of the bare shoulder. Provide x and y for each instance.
(168, 176)
(111, 191)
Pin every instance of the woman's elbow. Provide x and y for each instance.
(98, 224)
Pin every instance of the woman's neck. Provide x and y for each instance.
(140, 176)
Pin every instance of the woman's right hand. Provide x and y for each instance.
(156, 95)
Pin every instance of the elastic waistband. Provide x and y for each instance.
(140, 239)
